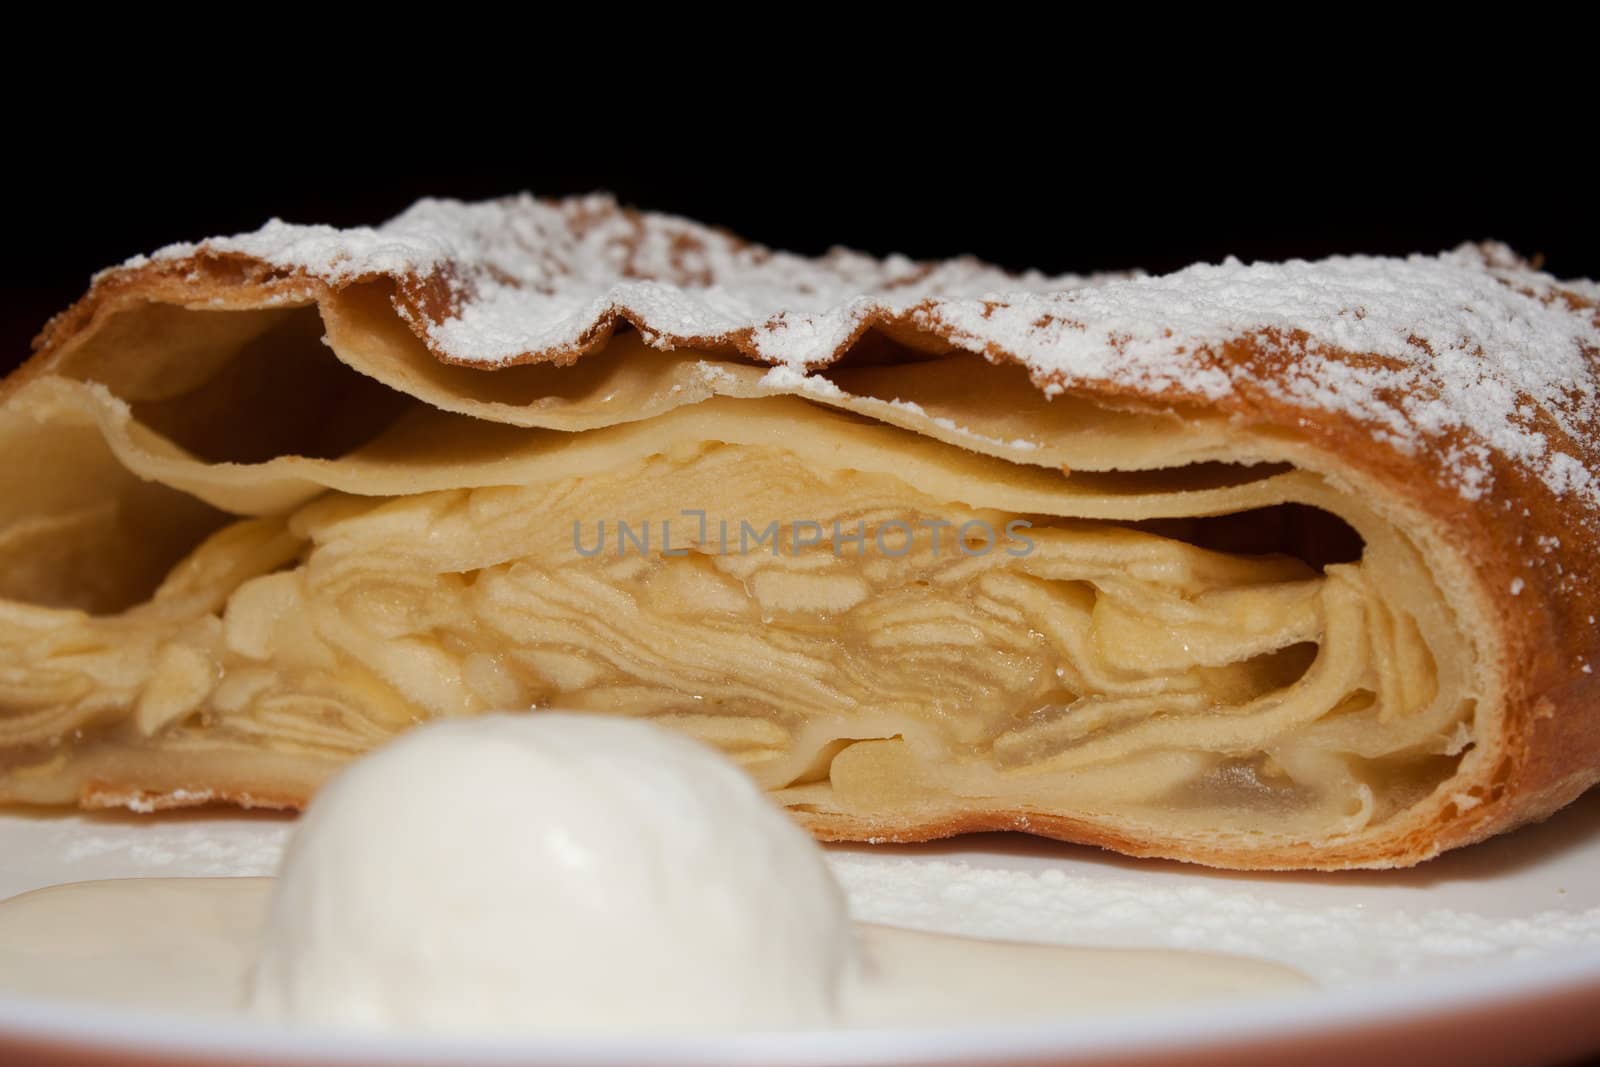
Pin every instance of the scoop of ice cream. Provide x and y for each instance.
(545, 871)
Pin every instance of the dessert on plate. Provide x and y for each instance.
(1259, 566)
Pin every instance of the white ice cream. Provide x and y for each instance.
(546, 871)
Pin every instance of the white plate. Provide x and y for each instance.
(1488, 955)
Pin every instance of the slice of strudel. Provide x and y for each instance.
(1267, 566)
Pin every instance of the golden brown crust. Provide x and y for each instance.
(1519, 557)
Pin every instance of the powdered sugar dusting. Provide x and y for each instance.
(1340, 939)
(51, 849)
(787, 379)
(1462, 343)
(1471, 352)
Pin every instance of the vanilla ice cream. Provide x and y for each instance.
(543, 871)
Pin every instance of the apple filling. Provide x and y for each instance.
(864, 642)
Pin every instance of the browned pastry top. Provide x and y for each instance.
(1472, 355)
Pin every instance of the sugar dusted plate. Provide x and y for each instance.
(1487, 955)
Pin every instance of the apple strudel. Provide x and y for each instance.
(1258, 566)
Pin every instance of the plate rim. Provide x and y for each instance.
(1299, 1016)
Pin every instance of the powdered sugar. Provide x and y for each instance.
(177, 798)
(1341, 933)
(49, 849)
(786, 378)
(1472, 351)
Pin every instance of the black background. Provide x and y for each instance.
(1051, 187)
